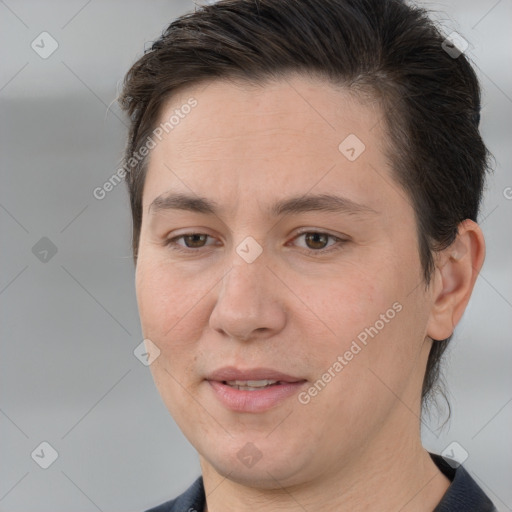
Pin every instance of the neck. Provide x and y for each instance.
(397, 475)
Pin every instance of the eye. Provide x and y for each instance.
(193, 241)
(318, 242)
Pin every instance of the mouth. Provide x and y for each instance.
(250, 385)
(252, 390)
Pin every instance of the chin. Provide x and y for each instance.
(271, 466)
(262, 476)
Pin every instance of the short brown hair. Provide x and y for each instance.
(385, 48)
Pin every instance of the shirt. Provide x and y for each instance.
(463, 495)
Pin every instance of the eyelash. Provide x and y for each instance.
(172, 243)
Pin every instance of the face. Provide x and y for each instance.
(285, 294)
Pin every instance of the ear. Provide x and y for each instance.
(456, 270)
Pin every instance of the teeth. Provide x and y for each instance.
(250, 385)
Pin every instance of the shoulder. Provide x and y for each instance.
(192, 500)
(464, 494)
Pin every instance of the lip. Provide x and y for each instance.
(253, 401)
(232, 373)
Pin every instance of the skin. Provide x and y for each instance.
(356, 445)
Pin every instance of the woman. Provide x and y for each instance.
(305, 179)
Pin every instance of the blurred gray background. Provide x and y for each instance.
(69, 322)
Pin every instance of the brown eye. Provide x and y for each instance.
(195, 240)
(189, 242)
(316, 240)
(318, 243)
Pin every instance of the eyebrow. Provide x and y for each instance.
(289, 206)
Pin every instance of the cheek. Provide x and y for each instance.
(370, 323)
(172, 316)
(171, 306)
(348, 304)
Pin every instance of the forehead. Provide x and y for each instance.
(294, 108)
(268, 141)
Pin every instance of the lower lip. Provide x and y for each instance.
(254, 401)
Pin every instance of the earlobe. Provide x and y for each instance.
(457, 269)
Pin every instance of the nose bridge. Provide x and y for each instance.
(247, 304)
(247, 261)
(244, 285)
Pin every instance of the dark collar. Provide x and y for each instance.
(463, 495)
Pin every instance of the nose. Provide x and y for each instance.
(249, 305)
